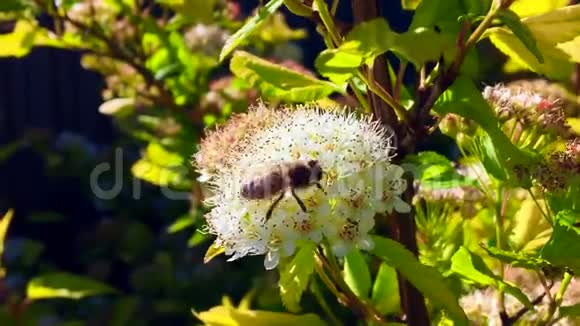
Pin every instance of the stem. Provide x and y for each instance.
(385, 96)
(502, 198)
(554, 305)
(339, 287)
(316, 291)
(399, 81)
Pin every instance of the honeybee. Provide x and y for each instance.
(280, 178)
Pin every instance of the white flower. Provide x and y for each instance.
(358, 181)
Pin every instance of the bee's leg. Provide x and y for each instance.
(299, 202)
(271, 209)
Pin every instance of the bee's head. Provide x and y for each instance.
(315, 171)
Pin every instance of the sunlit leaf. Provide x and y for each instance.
(227, 314)
(531, 230)
(372, 38)
(517, 259)
(4, 224)
(385, 294)
(181, 223)
(212, 252)
(521, 31)
(357, 274)
(563, 248)
(23, 38)
(64, 285)
(249, 27)
(295, 276)
(425, 278)
(472, 268)
(276, 81)
(464, 99)
(434, 170)
(526, 8)
(549, 30)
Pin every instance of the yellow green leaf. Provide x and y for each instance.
(228, 315)
(4, 224)
(64, 285)
(26, 34)
(212, 252)
(525, 8)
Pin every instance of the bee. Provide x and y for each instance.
(283, 177)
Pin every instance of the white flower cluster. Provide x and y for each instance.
(358, 182)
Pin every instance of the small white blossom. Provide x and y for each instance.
(358, 182)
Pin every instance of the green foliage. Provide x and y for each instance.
(473, 268)
(65, 285)
(521, 31)
(556, 37)
(518, 259)
(563, 248)
(385, 290)
(249, 27)
(425, 278)
(357, 274)
(435, 171)
(295, 276)
(276, 81)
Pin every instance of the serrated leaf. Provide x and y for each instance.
(425, 278)
(521, 31)
(550, 30)
(434, 170)
(385, 294)
(276, 81)
(464, 99)
(249, 27)
(372, 38)
(357, 274)
(563, 248)
(517, 259)
(472, 268)
(295, 276)
(65, 285)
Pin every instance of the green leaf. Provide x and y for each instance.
(570, 311)
(517, 259)
(13, 5)
(181, 223)
(372, 38)
(4, 224)
(276, 81)
(357, 274)
(249, 27)
(425, 278)
(521, 31)
(64, 285)
(24, 37)
(295, 276)
(563, 248)
(526, 8)
(410, 4)
(473, 268)
(434, 170)
(464, 99)
(385, 295)
(550, 31)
